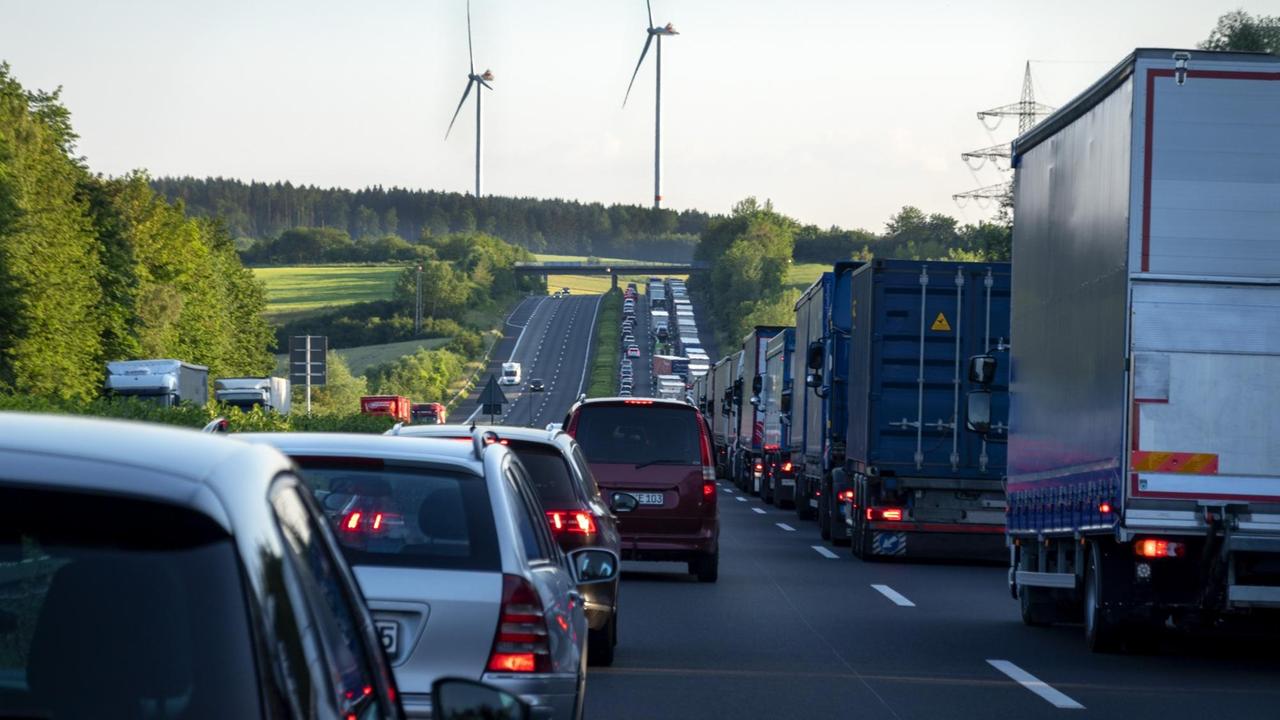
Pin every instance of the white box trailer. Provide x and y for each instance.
(1144, 454)
(165, 382)
(269, 393)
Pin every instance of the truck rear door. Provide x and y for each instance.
(1206, 375)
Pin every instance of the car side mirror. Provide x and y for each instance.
(593, 565)
(982, 369)
(755, 401)
(815, 355)
(813, 379)
(459, 699)
(757, 384)
(784, 402)
(978, 412)
(621, 502)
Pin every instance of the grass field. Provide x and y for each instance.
(312, 287)
(801, 276)
(361, 358)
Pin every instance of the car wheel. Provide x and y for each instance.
(600, 643)
(706, 567)
(1100, 633)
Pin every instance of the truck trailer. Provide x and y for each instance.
(269, 393)
(749, 450)
(779, 472)
(1143, 472)
(724, 427)
(164, 382)
(919, 484)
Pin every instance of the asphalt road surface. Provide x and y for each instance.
(550, 339)
(798, 629)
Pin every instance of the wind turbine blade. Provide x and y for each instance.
(465, 93)
(482, 82)
(643, 52)
(649, 6)
(471, 57)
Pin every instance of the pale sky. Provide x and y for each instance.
(840, 111)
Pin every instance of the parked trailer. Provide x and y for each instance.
(823, 324)
(750, 445)
(1144, 480)
(779, 472)
(920, 485)
(164, 382)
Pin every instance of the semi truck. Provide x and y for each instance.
(269, 393)
(779, 472)
(164, 382)
(749, 449)
(724, 420)
(394, 406)
(823, 323)
(919, 484)
(1143, 475)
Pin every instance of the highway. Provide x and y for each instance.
(798, 629)
(549, 338)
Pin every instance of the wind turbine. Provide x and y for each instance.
(472, 79)
(659, 33)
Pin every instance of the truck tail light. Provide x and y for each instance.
(577, 522)
(520, 644)
(787, 467)
(886, 514)
(846, 496)
(1159, 548)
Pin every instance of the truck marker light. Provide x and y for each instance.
(847, 496)
(1105, 508)
(891, 514)
(786, 466)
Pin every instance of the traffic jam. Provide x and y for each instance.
(1088, 416)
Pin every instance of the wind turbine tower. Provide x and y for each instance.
(483, 79)
(659, 33)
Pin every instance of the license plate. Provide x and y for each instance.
(649, 498)
(389, 634)
(788, 482)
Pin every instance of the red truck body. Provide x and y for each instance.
(396, 406)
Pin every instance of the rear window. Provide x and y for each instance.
(405, 516)
(639, 434)
(117, 608)
(552, 479)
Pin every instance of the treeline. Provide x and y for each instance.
(909, 234)
(95, 269)
(257, 210)
(467, 278)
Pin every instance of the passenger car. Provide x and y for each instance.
(660, 452)
(157, 572)
(452, 550)
(536, 385)
(576, 513)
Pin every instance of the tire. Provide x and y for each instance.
(600, 643)
(839, 531)
(1037, 608)
(1101, 634)
(824, 516)
(706, 567)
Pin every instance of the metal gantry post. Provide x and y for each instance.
(308, 374)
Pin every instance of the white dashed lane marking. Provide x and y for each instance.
(786, 527)
(758, 510)
(1054, 697)
(897, 597)
(825, 552)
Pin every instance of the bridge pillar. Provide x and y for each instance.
(614, 277)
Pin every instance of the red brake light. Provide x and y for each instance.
(520, 643)
(891, 514)
(786, 466)
(759, 466)
(377, 521)
(1157, 548)
(885, 514)
(847, 496)
(351, 522)
(638, 402)
(1104, 508)
(708, 490)
(571, 521)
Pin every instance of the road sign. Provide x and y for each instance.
(307, 362)
(492, 394)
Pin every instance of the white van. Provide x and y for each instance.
(510, 374)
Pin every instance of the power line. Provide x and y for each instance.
(1029, 112)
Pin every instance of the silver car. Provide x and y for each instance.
(462, 576)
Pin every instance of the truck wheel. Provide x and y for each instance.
(1038, 610)
(1100, 633)
(824, 514)
(835, 511)
(802, 494)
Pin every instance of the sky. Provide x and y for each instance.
(839, 111)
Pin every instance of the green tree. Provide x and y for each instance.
(1240, 31)
(424, 376)
(340, 394)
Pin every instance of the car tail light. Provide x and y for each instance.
(351, 523)
(708, 463)
(708, 489)
(520, 644)
(571, 521)
(885, 514)
(1158, 548)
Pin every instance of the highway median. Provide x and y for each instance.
(605, 350)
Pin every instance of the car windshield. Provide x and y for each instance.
(552, 479)
(639, 434)
(119, 608)
(403, 515)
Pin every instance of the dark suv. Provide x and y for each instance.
(659, 452)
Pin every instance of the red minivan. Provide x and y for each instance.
(660, 452)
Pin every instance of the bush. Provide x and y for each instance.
(605, 352)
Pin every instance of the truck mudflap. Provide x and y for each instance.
(935, 541)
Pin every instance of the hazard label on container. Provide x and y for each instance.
(940, 324)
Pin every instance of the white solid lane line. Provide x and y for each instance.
(897, 597)
(825, 552)
(1036, 685)
(786, 527)
(759, 510)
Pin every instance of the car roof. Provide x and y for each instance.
(661, 402)
(162, 463)
(447, 452)
(512, 432)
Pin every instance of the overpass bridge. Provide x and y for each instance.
(614, 269)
